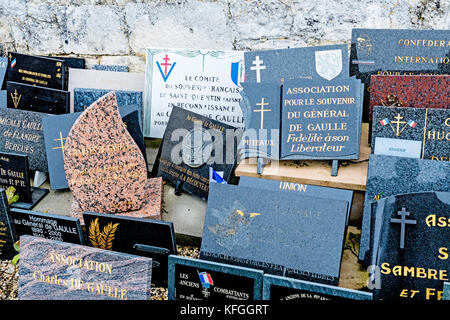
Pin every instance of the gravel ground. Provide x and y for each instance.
(9, 276)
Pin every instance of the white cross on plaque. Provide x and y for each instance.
(258, 66)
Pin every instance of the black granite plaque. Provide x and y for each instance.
(411, 252)
(45, 225)
(196, 150)
(137, 236)
(38, 99)
(14, 172)
(38, 71)
(194, 279)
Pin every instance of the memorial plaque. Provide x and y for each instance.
(397, 52)
(83, 98)
(281, 233)
(110, 67)
(56, 129)
(46, 225)
(276, 66)
(194, 279)
(53, 270)
(193, 146)
(105, 169)
(14, 172)
(394, 175)
(6, 232)
(309, 190)
(262, 111)
(21, 132)
(141, 237)
(411, 132)
(105, 80)
(71, 62)
(38, 71)
(431, 91)
(206, 82)
(447, 291)
(287, 289)
(411, 250)
(37, 99)
(321, 120)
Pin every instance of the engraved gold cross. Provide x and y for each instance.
(62, 142)
(262, 110)
(398, 117)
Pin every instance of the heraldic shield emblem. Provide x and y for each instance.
(329, 63)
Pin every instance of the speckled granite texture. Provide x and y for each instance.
(105, 169)
(53, 270)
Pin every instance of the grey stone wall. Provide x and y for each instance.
(118, 31)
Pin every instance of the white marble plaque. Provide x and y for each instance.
(206, 82)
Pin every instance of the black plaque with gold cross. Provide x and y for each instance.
(411, 255)
(37, 71)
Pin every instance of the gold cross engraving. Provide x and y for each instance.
(62, 142)
(16, 98)
(262, 110)
(398, 117)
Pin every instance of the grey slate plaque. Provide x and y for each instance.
(322, 62)
(394, 175)
(309, 190)
(281, 233)
(21, 132)
(194, 279)
(447, 291)
(53, 270)
(287, 289)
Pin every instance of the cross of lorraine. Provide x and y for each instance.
(16, 98)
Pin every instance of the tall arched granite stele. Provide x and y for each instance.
(104, 167)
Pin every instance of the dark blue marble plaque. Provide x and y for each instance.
(411, 132)
(320, 119)
(6, 232)
(194, 279)
(142, 237)
(83, 98)
(394, 175)
(53, 270)
(282, 233)
(322, 62)
(410, 246)
(397, 52)
(309, 190)
(287, 289)
(21, 132)
(56, 129)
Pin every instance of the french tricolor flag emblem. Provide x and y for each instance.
(206, 279)
(412, 123)
(13, 63)
(384, 122)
